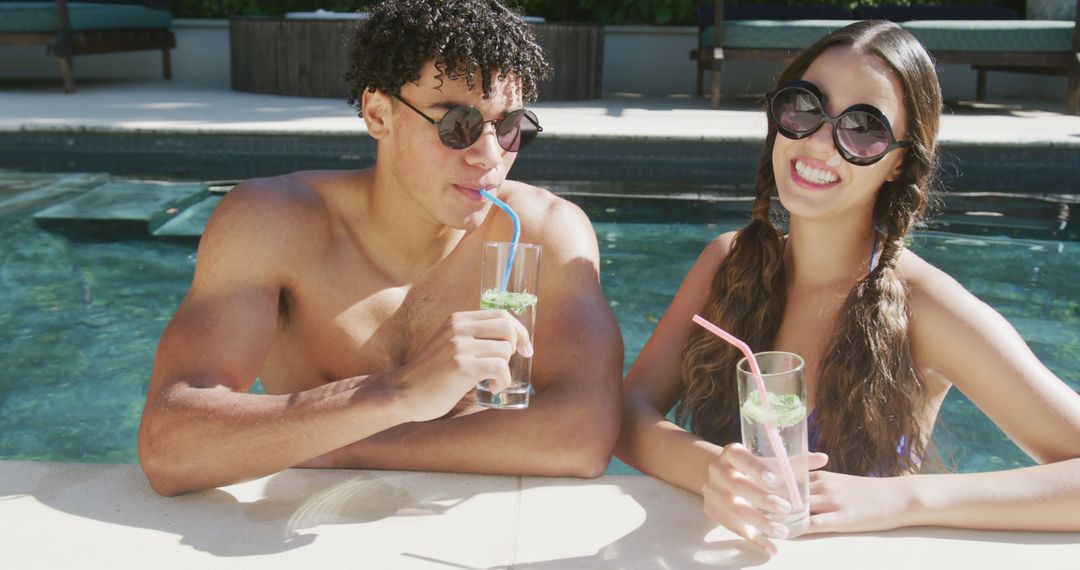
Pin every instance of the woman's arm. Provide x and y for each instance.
(963, 339)
(648, 441)
(726, 477)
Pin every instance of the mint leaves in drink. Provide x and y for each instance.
(516, 303)
(786, 410)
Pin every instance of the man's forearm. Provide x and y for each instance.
(563, 432)
(199, 438)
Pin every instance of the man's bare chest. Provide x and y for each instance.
(335, 328)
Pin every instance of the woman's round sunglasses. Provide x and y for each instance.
(462, 126)
(861, 133)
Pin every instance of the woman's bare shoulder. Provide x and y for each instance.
(928, 287)
(943, 312)
(717, 249)
(710, 258)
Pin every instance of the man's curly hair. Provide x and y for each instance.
(465, 38)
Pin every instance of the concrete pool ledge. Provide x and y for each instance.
(56, 515)
(161, 106)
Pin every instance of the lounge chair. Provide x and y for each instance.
(987, 44)
(68, 29)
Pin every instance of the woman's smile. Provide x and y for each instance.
(813, 176)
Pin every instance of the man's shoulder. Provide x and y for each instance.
(526, 195)
(548, 219)
(297, 189)
(286, 199)
(540, 204)
(274, 211)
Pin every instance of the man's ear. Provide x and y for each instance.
(378, 113)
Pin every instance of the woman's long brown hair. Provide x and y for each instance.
(870, 395)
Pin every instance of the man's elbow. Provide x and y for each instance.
(590, 454)
(582, 461)
(160, 470)
(162, 483)
(161, 479)
(592, 464)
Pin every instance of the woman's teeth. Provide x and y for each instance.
(815, 175)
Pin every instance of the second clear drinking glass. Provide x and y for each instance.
(782, 373)
(513, 288)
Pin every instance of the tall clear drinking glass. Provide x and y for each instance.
(513, 287)
(782, 373)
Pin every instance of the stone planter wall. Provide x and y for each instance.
(281, 56)
(576, 51)
(307, 57)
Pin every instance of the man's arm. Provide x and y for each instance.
(572, 420)
(201, 428)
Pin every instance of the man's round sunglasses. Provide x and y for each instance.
(861, 133)
(462, 126)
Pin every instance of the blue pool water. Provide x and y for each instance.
(80, 317)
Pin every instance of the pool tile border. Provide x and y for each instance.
(728, 166)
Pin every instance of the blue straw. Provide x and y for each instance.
(517, 233)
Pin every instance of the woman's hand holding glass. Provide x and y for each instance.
(734, 495)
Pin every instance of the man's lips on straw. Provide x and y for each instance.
(470, 193)
(473, 187)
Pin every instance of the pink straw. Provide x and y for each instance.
(771, 432)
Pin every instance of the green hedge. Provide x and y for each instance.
(611, 12)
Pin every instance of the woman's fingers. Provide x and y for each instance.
(820, 500)
(745, 475)
(745, 521)
(740, 459)
(757, 538)
(816, 460)
(831, 521)
(734, 497)
(741, 486)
